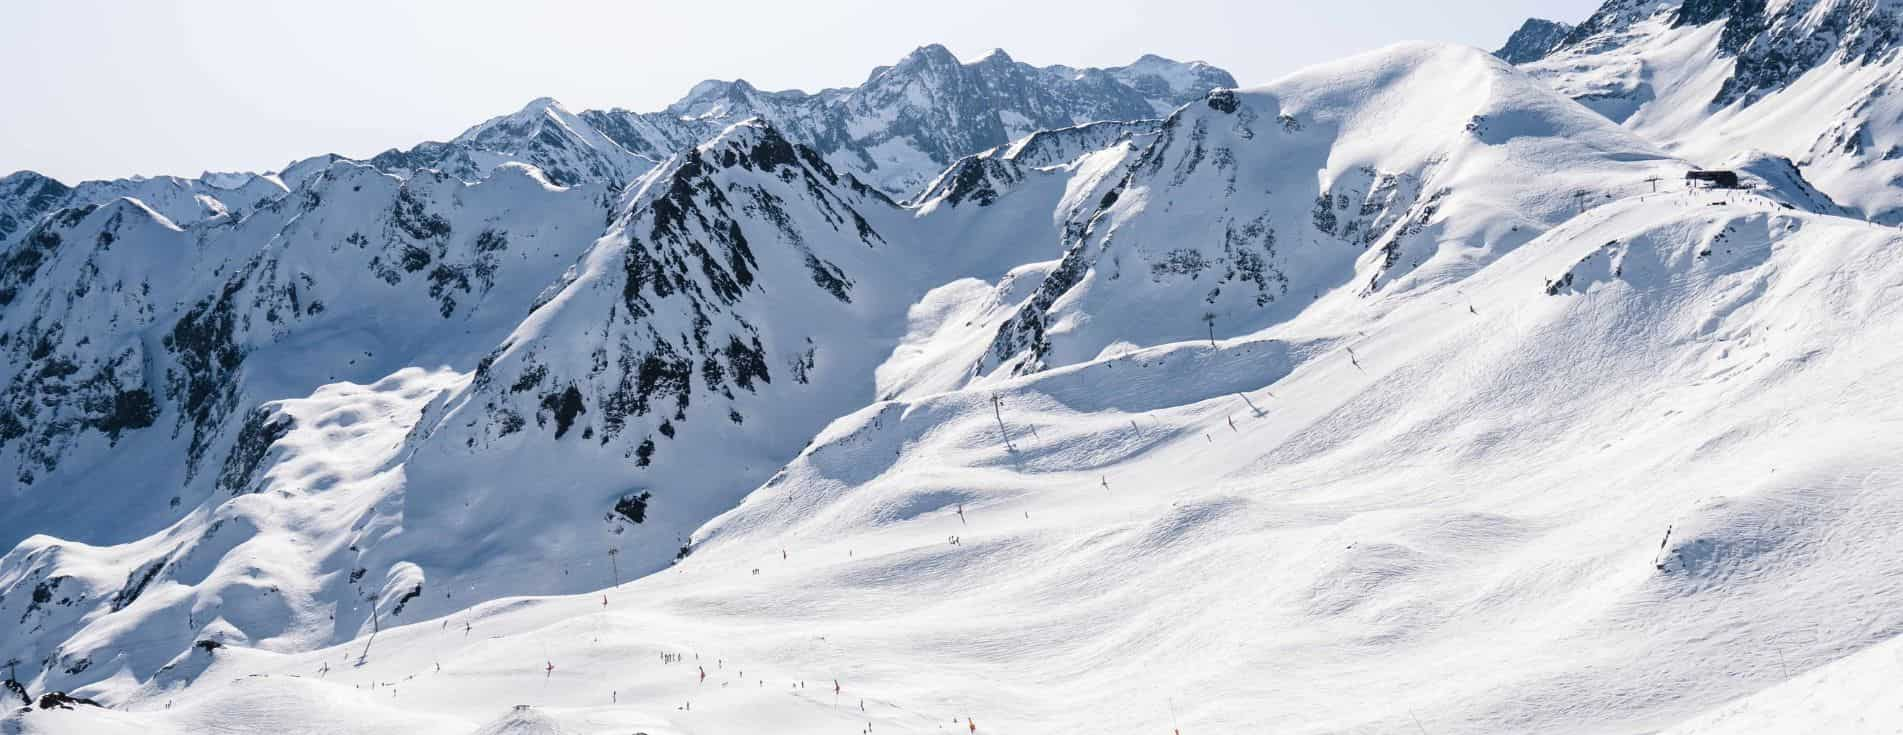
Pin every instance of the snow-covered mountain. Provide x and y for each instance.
(895, 131)
(564, 145)
(27, 197)
(1809, 80)
(741, 296)
(1250, 205)
(1535, 39)
(1401, 393)
(142, 357)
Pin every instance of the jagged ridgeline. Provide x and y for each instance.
(466, 369)
(894, 132)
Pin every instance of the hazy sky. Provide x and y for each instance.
(109, 88)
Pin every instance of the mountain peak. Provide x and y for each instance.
(716, 98)
(932, 51)
(542, 104)
(931, 54)
(1536, 38)
(536, 110)
(24, 179)
(1616, 16)
(1155, 61)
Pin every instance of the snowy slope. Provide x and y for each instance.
(1407, 168)
(1387, 396)
(743, 295)
(143, 359)
(1809, 80)
(1460, 530)
(183, 402)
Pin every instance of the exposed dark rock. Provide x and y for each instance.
(261, 429)
(634, 507)
(415, 592)
(208, 355)
(1224, 100)
(136, 584)
(565, 406)
(1535, 39)
(62, 700)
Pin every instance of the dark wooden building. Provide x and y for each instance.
(1715, 179)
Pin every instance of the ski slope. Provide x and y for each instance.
(1456, 524)
(1399, 394)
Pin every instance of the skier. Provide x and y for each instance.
(972, 725)
(550, 671)
(703, 674)
(835, 687)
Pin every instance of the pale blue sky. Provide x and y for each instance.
(107, 88)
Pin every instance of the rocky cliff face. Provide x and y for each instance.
(1536, 38)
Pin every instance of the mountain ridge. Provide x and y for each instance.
(1336, 403)
(1808, 80)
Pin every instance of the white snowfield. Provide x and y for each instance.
(1825, 95)
(1387, 397)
